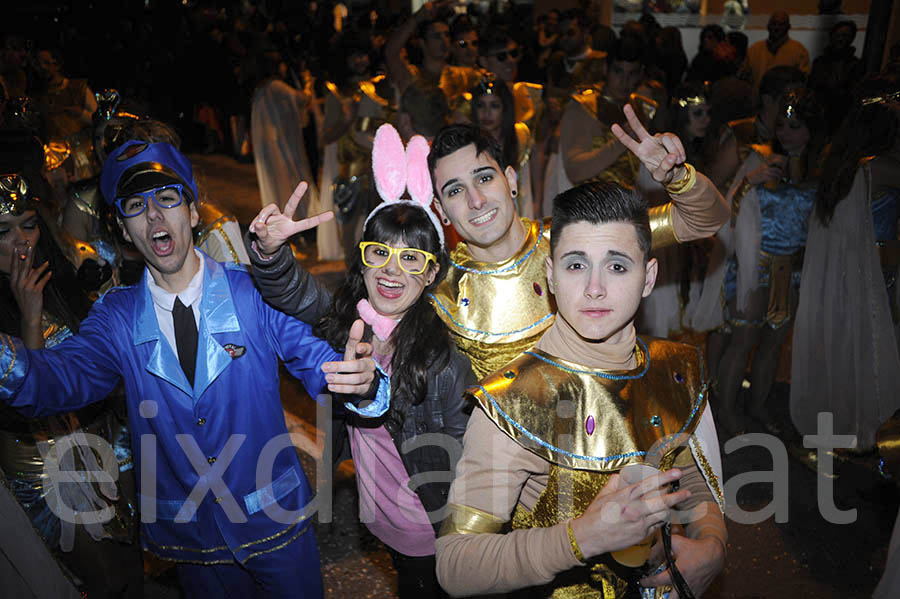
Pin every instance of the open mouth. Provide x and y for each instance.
(162, 243)
(390, 289)
(484, 218)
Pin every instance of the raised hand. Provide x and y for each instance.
(662, 154)
(773, 170)
(273, 227)
(622, 515)
(355, 373)
(28, 290)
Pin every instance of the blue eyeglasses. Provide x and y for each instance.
(168, 196)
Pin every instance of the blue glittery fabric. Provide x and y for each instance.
(885, 211)
(785, 222)
(785, 217)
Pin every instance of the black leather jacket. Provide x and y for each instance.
(430, 438)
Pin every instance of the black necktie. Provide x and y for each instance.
(185, 338)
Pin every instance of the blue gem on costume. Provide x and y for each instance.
(465, 301)
(589, 425)
(509, 374)
(679, 378)
(656, 420)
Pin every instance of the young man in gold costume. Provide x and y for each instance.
(494, 299)
(556, 426)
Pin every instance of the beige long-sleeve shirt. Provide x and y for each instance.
(494, 475)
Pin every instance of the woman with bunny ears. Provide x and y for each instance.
(400, 260)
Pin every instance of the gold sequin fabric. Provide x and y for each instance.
(498, 303)
(597, 420)
(624, 170)
(567, 495)
(487, 358)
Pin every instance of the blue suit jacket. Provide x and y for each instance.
(224, 422)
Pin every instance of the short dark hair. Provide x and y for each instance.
(777, 79)
(426, 106)
(842, 24)
(424, 26)
(628, 48)
(492, 41)
(454, 137)
(577, 15)
(599, 203)
(461, 25)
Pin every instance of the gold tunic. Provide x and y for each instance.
(604, 109)
(495, 311)
(589, 424)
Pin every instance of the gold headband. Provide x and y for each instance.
(692, 100)
(15, 197)
(891, 97)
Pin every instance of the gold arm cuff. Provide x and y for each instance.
(464, 520)
(661, 226)
(686, 183)
(576, 550)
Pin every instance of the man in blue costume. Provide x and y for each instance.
(222, 491)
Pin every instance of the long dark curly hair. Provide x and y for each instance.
(869, 130)
(420, 341)
(509, 141)
(64, 298)
(805, 106)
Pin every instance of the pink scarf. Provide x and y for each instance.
(382, 326)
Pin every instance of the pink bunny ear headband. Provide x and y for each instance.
(397, 169)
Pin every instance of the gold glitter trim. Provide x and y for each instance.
(204, 235)
(686, 183)
(462, 520)
(174, 560)
(12, 349)
(272, 537)
(576, 550)
(187, 549)
(708, 473)
(282, 546)
(881, 99)
(226, 547)
(692, 100)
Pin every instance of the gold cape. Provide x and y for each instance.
(596, 420)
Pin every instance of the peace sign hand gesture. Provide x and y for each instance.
(662, 154)
(273, 227)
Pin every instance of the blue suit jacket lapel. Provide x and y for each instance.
(217, 316)
(163, 362)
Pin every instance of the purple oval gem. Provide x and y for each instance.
(589, 425)
(538, 290)
(679, 378)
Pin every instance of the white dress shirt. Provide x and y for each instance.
(163, 302)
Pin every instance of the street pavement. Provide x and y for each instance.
(795, 553)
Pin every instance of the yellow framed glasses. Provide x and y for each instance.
(412, 260)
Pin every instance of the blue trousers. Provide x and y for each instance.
(291, 572)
